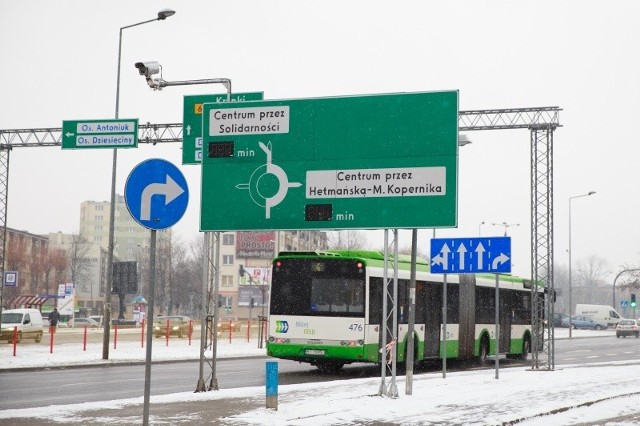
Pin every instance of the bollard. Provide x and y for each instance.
(115, 336)
(52, 332)
(84, 339)
(168, 333)
(190, 331)
(142, 334)
(15, 340)
(272, 385)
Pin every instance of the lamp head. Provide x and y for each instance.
(165, 13)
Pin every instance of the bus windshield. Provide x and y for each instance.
(325, 287)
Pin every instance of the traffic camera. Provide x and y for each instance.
(148, 68)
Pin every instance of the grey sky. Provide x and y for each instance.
(59, 63)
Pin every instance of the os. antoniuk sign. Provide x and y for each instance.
(378, 161)
(100, 134)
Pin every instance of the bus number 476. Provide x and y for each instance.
(355, 327)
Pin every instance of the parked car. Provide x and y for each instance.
(227, 323)
(97, 318)
(82, 322)
(558, 320)
(585, 323)
(627, 327)
(178, 325)
(27, 322)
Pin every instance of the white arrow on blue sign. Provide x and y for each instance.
(471, 255)
(156, 194)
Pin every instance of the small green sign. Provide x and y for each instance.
(120, 133)
(192, 121)
(359, 162)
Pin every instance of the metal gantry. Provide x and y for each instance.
(541, 123)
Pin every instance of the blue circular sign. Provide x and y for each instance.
(156, 194)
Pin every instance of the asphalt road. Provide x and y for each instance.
(87, 384)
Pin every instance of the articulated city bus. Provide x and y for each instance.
(326, 309)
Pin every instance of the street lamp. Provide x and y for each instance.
(506, 225)
(148, 70)
(570, 303)
(162, 15)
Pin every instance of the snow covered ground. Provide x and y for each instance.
(594, 394)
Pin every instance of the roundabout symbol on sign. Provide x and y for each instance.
(259, 185)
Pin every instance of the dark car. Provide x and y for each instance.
(178, 325)
(228, 323)
(585, 323)
(627, 327)
(559, 318)
(82, 322)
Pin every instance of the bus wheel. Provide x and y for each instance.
(484, 350)
(329, 367)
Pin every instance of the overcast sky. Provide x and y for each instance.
(59, 62)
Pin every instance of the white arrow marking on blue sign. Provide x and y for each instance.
(480, 251)
(461, 252)
(442, 258)
(502, 258)
(171, 190)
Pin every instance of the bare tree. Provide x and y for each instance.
(79, 261)
(55, 269)
(347, 240)
(592, 270)
(186, 279)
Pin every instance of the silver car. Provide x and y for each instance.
(583, 322)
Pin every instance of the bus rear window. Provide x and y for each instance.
(329, 287)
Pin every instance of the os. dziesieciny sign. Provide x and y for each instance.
(378, 161)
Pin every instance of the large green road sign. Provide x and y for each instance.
(192, 121)
(120, 133)
(380, 161)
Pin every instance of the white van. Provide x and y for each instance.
(28, 322)
(599, 312)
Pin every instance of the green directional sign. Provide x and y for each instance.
(359, 162)
(192, 121)
(119, 133)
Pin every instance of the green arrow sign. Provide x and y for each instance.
(100, 134)
(380, 161)
(192, 121)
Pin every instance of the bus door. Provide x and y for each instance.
(506, 304)
(432, 319)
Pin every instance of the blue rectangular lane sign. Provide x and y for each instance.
(471, 255)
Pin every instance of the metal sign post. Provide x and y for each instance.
(470, 256)
(156, 194)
